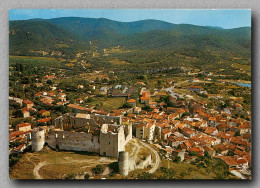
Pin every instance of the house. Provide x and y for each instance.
(26, 112)
(195, 88)
(47, 100)
(62, 96)
(211, 131)
(175, 141)
(223, 127)
(210, 151)
(179, 153)
(165, 133)
(92, 87)
(197, 149)
(137, 110)
(234, 162)
(16, 100)
(244, 128)
(79, 100)
(140, 83)
(194, 80)
(223, 149)
(160, 95)
(28, 104)
(145, 97)
(189, 132)
(104, 89)
(20, 148)
(152, 104)
(45, 113)
(45, 120)
(80, 87)
(145, 131)
(23, 127)
(49, 77)
(77, 108)
(212, 122)
(131, 102)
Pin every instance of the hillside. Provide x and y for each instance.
(148, 40)
(40, 35)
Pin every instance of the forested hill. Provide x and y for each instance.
(73, 33)
(30, 36)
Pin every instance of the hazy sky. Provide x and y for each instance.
(226, 18)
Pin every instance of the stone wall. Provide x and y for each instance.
(145, 163)
(70, 121)
(104, 119)
(93, 121)
(74, 141)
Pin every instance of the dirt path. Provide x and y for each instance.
(37, 168)
(157, 158)
(136, 149)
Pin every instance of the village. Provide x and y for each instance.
(178, 118)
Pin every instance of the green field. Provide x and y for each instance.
(109, 103)
(36, 61)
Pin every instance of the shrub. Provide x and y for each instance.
(145, 175)
(114, 167)
(86, 177)
(70, 176)
(98, 169)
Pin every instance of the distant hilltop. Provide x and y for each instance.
(75, 34)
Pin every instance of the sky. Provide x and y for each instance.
(225, 18)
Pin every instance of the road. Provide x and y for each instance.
(157, 158)
(170, 89)
(238, 174)
(37, 168)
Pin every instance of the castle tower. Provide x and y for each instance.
(123, 163)
(38, 139)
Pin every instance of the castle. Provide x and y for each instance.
(103, 134)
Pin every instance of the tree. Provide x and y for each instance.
(237, 133)
(176, 159)
(18, 113)
(147, 108)
(49, 82)
(126, 105)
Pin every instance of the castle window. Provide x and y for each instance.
(77, 138)
(63, 136)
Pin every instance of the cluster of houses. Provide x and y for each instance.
(202, 131)
(189, 129)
